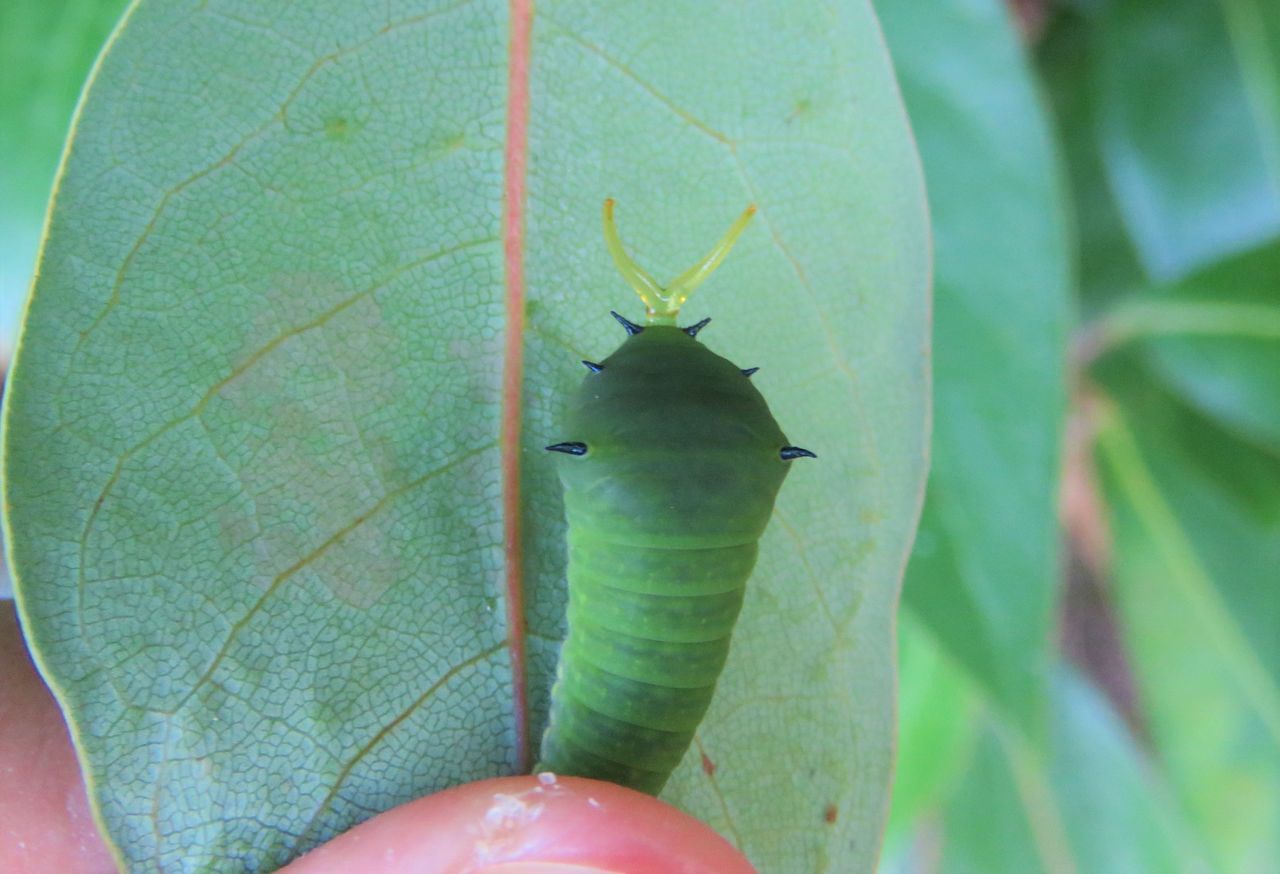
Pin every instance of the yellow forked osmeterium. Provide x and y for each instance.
(662, 305)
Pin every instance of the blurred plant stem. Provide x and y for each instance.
(1089, 632)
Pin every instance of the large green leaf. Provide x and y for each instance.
(985, 565)
(254, 442)
(47, 47)
(1196, 524)
(1192, 148)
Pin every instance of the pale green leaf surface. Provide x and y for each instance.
(1196, 522)
(253, 439)
(983, 573)
(1192, 149)
(48, 47)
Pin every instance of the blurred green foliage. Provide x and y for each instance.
(48, 48)
(1105, 189)
(1001, 316)
(1158, 678)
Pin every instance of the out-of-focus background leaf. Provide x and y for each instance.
(1195, 518)
(938, 713)
(252, 435)
(1090, 802)
(1214, 338)
(1107, 265)
(1188, 125)
(983, 571)
(1185, 369)
(47, 48)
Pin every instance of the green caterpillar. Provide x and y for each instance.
(669, 483)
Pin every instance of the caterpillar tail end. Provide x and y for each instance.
(568, 762)
(560, 755)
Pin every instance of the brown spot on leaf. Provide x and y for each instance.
(337, 128)
(802, 106)
(830, 813)
(708, 766)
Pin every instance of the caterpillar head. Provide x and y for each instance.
(670, 439)
(662, 304)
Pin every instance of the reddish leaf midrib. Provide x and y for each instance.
(521, 14)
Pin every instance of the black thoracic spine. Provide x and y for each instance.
(629, 326)
(693, 329)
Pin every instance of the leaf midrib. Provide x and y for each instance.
(513, 186)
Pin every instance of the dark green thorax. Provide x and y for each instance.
(682, 450)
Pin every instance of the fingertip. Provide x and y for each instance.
(530, 825)
(47, 820)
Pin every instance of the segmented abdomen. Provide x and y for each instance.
(649, 632)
